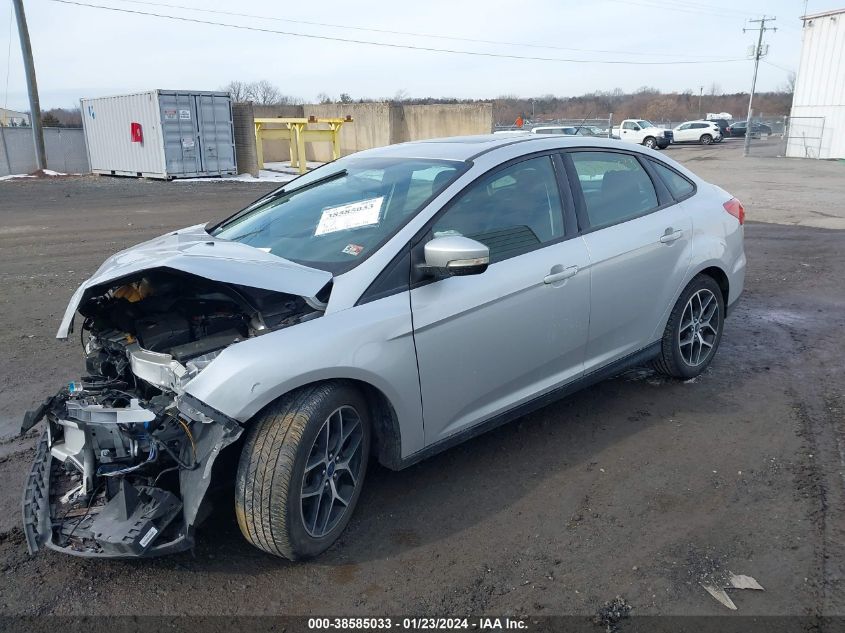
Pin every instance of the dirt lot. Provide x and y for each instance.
(638, 487)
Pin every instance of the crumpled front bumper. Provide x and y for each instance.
(135, 520)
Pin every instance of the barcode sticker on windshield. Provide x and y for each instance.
(350, 216)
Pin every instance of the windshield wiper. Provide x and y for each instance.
(273, 196)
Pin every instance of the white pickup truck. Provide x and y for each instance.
(643, 132)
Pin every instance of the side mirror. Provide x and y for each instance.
(456, 255)
(637, 128)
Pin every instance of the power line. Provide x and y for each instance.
(783, 68)
(389, 44)
(707, 6)
(690, 9)
(406, 33)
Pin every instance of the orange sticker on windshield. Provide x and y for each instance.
(353, 249)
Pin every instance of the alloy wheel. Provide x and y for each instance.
(699, 328)
(332, 471)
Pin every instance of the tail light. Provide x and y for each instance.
(735, 208)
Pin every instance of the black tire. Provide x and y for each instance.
(672, 360)
(650, 142)
(706, 139)
(271, 472)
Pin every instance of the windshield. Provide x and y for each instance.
(335, 216)
(644, 124)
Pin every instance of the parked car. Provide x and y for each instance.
(724, 125)
(739, 128)
(569, 130)
(387, 305)
(593, 130)
(644, 133)
(703, 132)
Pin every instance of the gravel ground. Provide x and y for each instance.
(630, 491)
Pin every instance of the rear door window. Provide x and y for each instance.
(678, 185)
(615, 187)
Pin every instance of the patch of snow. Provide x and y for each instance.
(263, 176)
(46, 172)
(286, 168)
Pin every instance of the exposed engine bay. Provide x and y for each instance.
(126, 458)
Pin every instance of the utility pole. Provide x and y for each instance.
(700, 92)
(31, 86)
(758, 53)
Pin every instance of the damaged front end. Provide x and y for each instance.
(126, 458)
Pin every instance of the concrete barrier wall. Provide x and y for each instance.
(418, 122)
(370, 127)
(380, 124)
(65, 148)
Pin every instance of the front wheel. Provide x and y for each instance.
(650, 142)
(706, 139)
(301, 470)
(693, 331)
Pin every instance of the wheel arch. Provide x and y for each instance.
(386, 433)
(720, 277)
(712, 270)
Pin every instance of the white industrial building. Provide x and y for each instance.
(12, 118)
(817, 120)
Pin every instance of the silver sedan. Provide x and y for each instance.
(387, 305)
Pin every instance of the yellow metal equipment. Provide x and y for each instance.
(294, 131)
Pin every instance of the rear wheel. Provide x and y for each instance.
(693, 331)
(302, 469)
(706, 139)
(650, 142)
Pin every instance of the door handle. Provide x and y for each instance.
(670, 236)
(566, 273)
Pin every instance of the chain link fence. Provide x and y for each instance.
(65, 147)
(585, 126)
(804, 136)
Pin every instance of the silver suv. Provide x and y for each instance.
(390, 304)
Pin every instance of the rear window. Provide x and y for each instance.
(678, 185)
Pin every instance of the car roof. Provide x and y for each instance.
(464, 148)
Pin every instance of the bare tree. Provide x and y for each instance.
(324, 98)
(237, 90)
(401, 95)
(345, 98)
(715, 89)
(789, 87)
(264, 93)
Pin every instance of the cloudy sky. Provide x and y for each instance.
(85, 52)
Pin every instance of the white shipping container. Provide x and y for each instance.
(160, 134)
(817, 119)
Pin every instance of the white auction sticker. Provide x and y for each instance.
(350, 216)
(149, 536)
